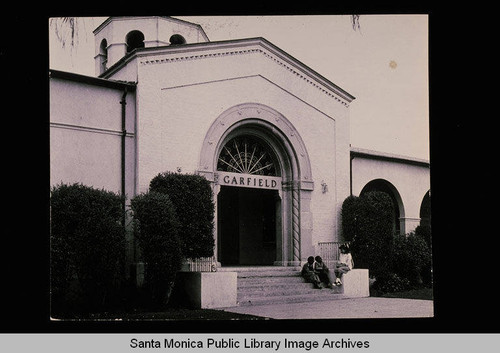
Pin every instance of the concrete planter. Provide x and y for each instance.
(206, 290)
(356, 283)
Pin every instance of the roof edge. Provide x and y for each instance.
(96, 81)
(168, 18)
(361, 152)
(281, 54)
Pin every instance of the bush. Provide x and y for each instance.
(411, 255)
(350, 215)
(369, 224)
(87, 247)
(424, 231)
(192, 198)
(391, 282)
(157, 229)
(399, 262)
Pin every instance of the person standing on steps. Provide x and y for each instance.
(323, 272)
(309, 274)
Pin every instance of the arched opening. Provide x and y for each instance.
(276, 178)
(249, 200)
(103, 55)
(386, 187)
(425, 210)
(134, 40)
(177, 39)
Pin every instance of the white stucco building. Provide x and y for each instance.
(269, 133)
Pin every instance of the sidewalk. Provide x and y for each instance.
(372, 307)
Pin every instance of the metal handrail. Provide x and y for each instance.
(329, 252)
(201, 264)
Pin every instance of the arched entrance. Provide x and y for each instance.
(249, 202)
(261, 180)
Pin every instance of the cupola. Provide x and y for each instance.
(119, 36)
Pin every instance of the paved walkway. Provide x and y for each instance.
(371, 307)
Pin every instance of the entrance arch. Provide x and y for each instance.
(256, 123)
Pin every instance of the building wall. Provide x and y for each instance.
(412, 182)
(180, 95)
(85, 135)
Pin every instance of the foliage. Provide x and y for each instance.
(367, 222)
(157, 229)
(424, 231)
(192, 198)
(350, 215)
(399, 262)
(87, 246)
(391, 282)
(411, 255)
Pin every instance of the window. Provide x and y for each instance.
(103, 55)
(247, 155)
(177, 39)
(135, 39)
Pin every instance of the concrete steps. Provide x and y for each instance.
(273, 285)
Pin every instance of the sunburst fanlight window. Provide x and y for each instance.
(247, 155)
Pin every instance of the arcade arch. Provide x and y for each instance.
(425, 210)
(386, 187)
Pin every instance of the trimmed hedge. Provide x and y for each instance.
(368, 223)
(398, 262)
(192, 198)
(350, 213)
(157, 228)
(411, 257)
(87, 247)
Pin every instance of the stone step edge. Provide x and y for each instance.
(268, 275)
(258, 268)
(290, 299)
(286, 293)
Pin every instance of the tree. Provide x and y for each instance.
(192, 198)
(87, 246)
(157, 229)
(67, 28)
(367, 223)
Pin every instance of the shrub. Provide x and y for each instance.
(399, 262)
(412, 259)
(157, 228)
(424, 231)
(192, 198)
(350, 214)
(369, 221)
(87, 246)
(391, 282)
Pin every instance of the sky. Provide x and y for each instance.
(384, 64)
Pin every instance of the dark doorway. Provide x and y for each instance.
(247, 226)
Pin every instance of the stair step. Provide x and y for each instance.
(258, 268)
(259, 285)
(287, 291)
(300, 298)
(253, 283)
(269, 274)
(264, 271)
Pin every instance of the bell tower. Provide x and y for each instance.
(117, 37)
